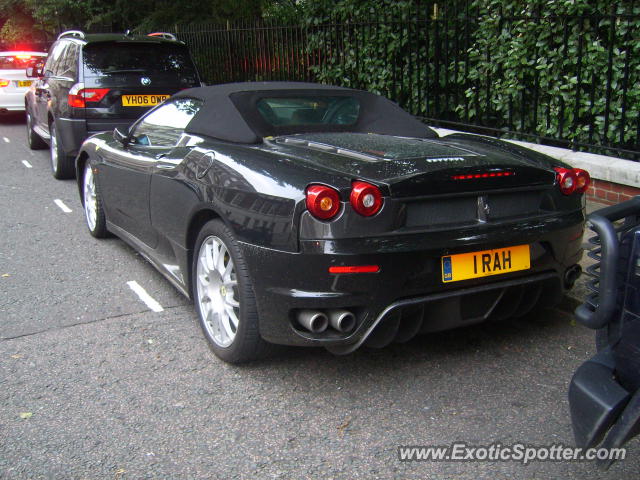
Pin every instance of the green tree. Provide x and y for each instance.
(52, 16)
(552, 61)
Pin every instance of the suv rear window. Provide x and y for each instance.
(168, 63)
(18, 62)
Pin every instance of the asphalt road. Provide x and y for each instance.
(94, 384)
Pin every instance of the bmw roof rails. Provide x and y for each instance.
(72, 33)
(165, 35)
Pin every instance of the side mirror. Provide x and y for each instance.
(120, 136)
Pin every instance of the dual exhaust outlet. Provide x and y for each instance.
(317, 321)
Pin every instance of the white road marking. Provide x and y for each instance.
(26, 164)
(62, 206)
(145, 297)
(6, 140)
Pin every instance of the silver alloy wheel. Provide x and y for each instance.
(54, 150)
(90, 201)
(217, 290)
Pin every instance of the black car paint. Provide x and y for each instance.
(259, 191)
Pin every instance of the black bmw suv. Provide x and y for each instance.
(97, 82)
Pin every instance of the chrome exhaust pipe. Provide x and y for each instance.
(342, 320)
(313, 320)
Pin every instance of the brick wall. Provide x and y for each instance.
(610, 193)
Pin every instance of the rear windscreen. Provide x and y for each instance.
(309, 110)
(18, 62)
(160, 62)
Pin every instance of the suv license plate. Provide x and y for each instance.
(485, 263)
(24, 83)
(142, 100)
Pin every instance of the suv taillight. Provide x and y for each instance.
(4, 83)
(79, 96)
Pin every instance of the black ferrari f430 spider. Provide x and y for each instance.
(305, 214)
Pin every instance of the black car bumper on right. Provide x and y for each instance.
(604, 394)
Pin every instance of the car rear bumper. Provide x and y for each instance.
(12, 101)
(407, 295)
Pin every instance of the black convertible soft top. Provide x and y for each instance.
(230, 112)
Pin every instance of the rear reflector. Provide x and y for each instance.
(483, 175)
(355, 269)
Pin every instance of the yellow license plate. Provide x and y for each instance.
(142, 100)
(485, 263)
(24, 83)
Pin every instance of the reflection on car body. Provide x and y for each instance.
(305, 214)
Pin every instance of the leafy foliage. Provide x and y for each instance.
(565, 70)
(389, 47)
(53, 16)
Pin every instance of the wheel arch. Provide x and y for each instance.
(197, 221)
(81, 161)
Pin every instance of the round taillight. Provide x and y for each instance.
(365, 199)
(567, 180)
(583, 179)
(322, 202)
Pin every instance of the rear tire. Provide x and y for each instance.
(224, 298)
(33, 139)
(61, 164)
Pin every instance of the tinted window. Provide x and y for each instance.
(164, 126)
(168, 63)
(18, 62)
(312, 110)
